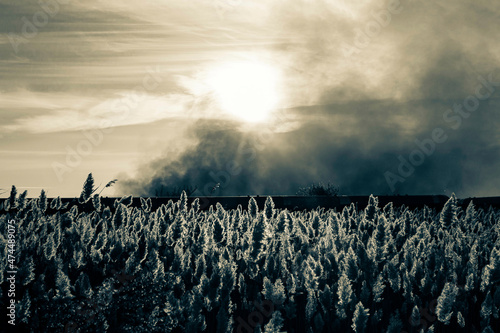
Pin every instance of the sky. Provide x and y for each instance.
(257, 96)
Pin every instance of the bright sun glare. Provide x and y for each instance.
(247, 89)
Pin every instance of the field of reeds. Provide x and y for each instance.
(180, 269)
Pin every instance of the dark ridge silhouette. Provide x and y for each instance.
(296, 203)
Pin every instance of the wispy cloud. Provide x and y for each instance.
(109, 113)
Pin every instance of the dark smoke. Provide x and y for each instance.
(352, 136)
(353, 152)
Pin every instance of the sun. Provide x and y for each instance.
(245, 89)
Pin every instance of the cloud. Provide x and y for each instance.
(356, 98)
(127, 109)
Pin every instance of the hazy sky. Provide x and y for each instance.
(262, 96)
